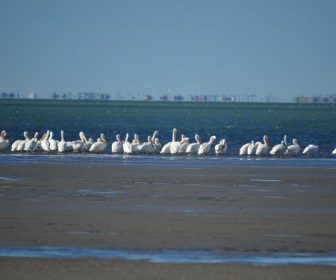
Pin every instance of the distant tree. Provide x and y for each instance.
(104, 96)
(64, 96)
(178, 97)
(148, 97)
(55, 95)
(11, 95)
(4, 95)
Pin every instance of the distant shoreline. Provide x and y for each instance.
(189, 104)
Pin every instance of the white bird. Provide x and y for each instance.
(136, 143)
(45, 146)
(68, 146)
(31, 144)
(87, 144)
(157, 145)
(52, 142)
(4, 143)
(183, 145)
(294, 149)
(252, 148)
(62, 146)
(205, 147)
(221, 148)
(18, 143)
(280, 149)
(334, 152)
(166, 148)
(38, 146)
(175, 145)
(263, 148)
(117, 146)
(100, 145)
(22, 144)
(78, 145)
(311, 150)
(243, 149)
(155, 133)
(147, 147)
(127, 146)
(192, 148)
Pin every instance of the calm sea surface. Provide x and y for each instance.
(237, 123)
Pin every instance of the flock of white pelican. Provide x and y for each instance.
(47, 143)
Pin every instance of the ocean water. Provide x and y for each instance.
(238, 123)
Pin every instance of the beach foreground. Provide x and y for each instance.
(138, 208)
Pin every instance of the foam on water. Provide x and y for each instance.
(171, 256)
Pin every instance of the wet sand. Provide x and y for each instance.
(232, 209)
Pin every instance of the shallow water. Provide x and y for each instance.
(172, 256)
(159, 161)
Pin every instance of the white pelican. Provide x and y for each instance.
(175, 145)
(45, 142)
(166, 147)
(155, 133)
(17, 143)
(117, 146)
(147, 147)
(252, 148)
(263, 148)
(127, 146)
(334, 152)
(4, 143)
(62, 146)
(136, 143)
(157, 145)
(136, 139)
(311, 150)
(31, 144)
(100, 145)
(68, 146)
(243, 149)
(78, 145)
(221, 148)
(294, 149)
(280, 149)
(205, 147)
(183, 145)
(52, 142)
(87, 144)
(193, 147)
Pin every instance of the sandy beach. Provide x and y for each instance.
(139, 208)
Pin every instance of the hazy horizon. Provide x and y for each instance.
(278, 48)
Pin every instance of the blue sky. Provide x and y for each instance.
(268, 47)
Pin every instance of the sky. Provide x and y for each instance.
(262, 47)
